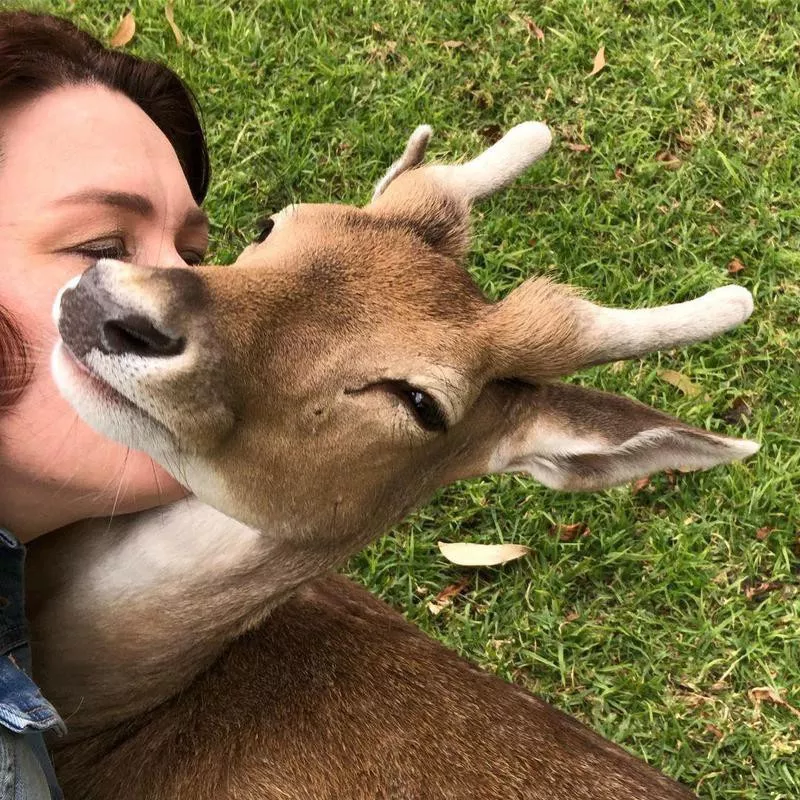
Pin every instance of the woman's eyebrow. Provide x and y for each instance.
(130, 201)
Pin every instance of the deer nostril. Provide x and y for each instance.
(136, 335)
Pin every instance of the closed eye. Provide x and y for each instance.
(102, 248)
(426, 410)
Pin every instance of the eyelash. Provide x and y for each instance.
(120, 253)
(97, 253)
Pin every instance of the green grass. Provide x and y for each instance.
(643, 628)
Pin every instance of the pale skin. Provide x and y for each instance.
(84, 174)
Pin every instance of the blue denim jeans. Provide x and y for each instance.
(26, 772)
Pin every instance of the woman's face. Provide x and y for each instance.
(84, 174)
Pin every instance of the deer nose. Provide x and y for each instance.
(137, 335)
(94, 314)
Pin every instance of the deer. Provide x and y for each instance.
(309, 396)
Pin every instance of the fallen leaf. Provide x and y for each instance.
(763, 533)
(669, 160)
(449, 592)
(619, 173)
(715, 732)
(466, 554)
(599, 61)
(734, 266)
(124, 32)
(679, 381)
(739, 412)
(568, 533)
(754, 590)
(498, 643)
(169, 13)
(534, 28)
(639, 486)
(384, 53)
(578, 147)
(765, 694)
(452, 44)
(571, 616)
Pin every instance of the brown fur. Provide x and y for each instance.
(338, 697)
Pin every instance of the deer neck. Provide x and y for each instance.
(125, 613)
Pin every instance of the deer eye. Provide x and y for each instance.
(427, 411)
(265, 227)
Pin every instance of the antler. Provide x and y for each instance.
(500, 165)
(611, 334)
(543, 330)
(491, 171)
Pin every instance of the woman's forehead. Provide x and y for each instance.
(82, 137)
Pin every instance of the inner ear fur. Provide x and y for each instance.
(578, 439)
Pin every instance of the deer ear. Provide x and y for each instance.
(579, 439)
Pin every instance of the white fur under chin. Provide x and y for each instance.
(185, 544)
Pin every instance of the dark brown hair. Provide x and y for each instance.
(40, 52)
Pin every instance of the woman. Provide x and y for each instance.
(101, 155)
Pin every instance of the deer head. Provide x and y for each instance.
(346, 366)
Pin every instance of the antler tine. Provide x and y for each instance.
(412, 157)
(612, 334)
(498, 166)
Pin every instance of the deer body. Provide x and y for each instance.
(316, 391)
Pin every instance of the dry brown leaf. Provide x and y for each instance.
(669, 160)
(734, 266)
(619, 173)
(466, 554)
(169, 13)
(755, 590)
(534, 28)
(738, 413)
(763, 533)
(571, 616)
(449, 592)
(452, 44)
(765, 694)
(679, 381)
(568, 533)
(599, 61)
(124, 32)
(578, 147)
(715, 731)
(640, 485)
